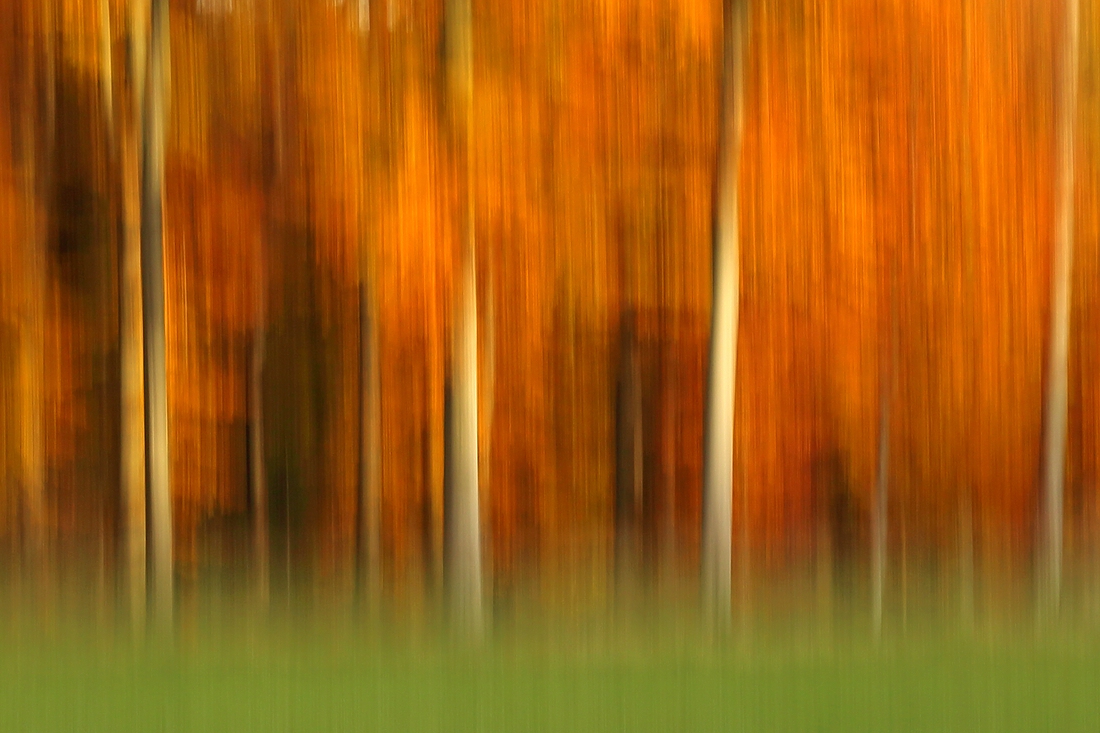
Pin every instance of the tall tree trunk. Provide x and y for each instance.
(153, 123)
(1056, 404)
(629, 468)
(370, 431)
(369, 534)
(879, 512)
(123, 178)
(462, 528)
(970, 253)
(717, 538)
(37, 130)
(257, 457)
(131, 336)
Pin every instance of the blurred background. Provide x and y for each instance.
(402, 248)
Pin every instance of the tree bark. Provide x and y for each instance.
(879, 512)
(257, 457)
(1056, 403)
(370, 449)
(158, 482)
(717, 537)
(37, 132)
(629, 467)
(462, 519)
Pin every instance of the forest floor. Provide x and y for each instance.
(331, 675)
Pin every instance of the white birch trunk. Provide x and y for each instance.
(462, 534)
(717, 538)
(1056, 403)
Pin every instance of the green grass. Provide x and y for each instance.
(331, 676)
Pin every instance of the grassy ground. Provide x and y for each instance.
(660, 676)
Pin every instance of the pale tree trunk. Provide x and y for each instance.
(1056, 404)
(717, 538)
(462, 547)
(131, 337)
(462, 528)
(887, 381)
(154, 119)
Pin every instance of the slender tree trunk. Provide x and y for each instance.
(123, 175)
(369, 535)
(970, 247)
(153, 123)
(629, 469)
(717, 538)
(370, 449)
(487, 404)
(462, 559)
(879, 515)
(1056, 404)
(462, 528)
(38, 129)
(257, 456)
(131, 335)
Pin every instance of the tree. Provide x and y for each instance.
(38, 152)
(257, 457)
(717, 536)
(966, 498)
(369, 530)
(879, 514)
(462, 521)
(123, 151)
(629, 470)
(1056, 399)
(158, 480)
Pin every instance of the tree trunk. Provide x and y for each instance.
(462, 558)
(370, 449)
(1056, 404)
(629, 468)
(257, 457)
(462, 533)
(966, 503)
(131, 338)
(37, 131)
(717, 538)
(152, 271)
(879, 513)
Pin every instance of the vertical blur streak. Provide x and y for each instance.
(1056, 405)
(882, 479)
(126, 147)
(462, 509)
(37, 132)
(966, 499)
(257, 474)
(369, 534)
(717, 539)
(370, 426)
(156, 374)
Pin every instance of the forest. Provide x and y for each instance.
(478, 300)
